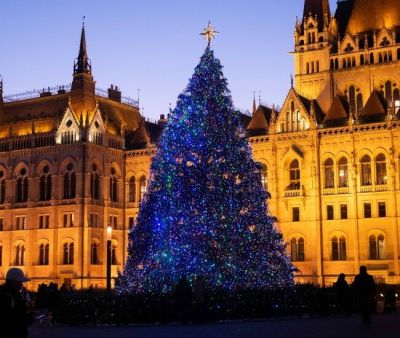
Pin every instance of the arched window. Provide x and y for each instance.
(366, 171)
(114, 260)
(142, 187)
(362, 60)
(352, 98)
(44, 254)
(332, 65)
(300, 250)
(339, 249)
(336, 63)
(94, 253)
(19, 255)
(293, 250)
(380, 163)
(388, 93)
(22, 186)
(69, 182)
(68, 253)
(371, 58)
(398, 53)
(380, 57)
(94, 183)
(294, 175)
(343, 169)
(342, 249)
(335, 249)
(264, 176)
(396, 98)
(132, 190)
(113, 185)
(377, 247)
(2, 187)
(360, 103)
(329, 173)
(45, 184)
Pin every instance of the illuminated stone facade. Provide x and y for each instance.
(76, 159)
(64, 177)
(331, 155)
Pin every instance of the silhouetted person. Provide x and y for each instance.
(200, 301)
(342, 294)
(364, 289)
(14, 319)
(184, 299)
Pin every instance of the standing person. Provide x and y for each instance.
(184, 299)
(14, 319)
(342, 294)
(364, 289)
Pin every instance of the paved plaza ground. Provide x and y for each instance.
(384, 325)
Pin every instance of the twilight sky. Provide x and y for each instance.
(153, 45)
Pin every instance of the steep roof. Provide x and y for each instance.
(373, 14)
(37, 108)
(375, 108)
(342, 15)
(119, 113)
(338, 112)
(318, 8)
(260, 121)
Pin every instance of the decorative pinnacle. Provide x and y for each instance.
(209, 33)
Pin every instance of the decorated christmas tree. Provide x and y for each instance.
(205, 212)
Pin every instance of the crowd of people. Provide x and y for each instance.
(190, 302)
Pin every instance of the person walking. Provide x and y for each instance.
(14, 318)
(364, 289)
(342, 294)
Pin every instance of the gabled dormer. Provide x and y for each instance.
(385, 38)
(295, 114)
(68, 130)
(348, 44)
(96, 129)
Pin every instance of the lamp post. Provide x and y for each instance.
(109, 234)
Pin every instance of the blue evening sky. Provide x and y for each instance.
(153, 45)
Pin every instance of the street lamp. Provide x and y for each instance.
(109, 236)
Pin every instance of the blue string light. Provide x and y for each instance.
(205, 212)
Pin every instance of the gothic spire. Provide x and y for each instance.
(82, 95)
(254, 102)
(82, 63)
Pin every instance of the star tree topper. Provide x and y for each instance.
(209, 33)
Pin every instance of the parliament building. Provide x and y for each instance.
(75, 159)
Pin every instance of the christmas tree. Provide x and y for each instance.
(205, 212)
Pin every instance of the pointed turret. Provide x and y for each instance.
(83, 99)
(254, 103)
(319, 9)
